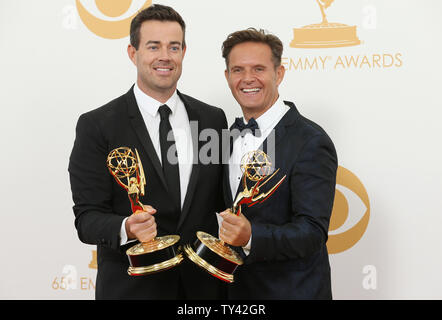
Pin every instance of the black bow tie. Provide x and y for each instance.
(251, 126)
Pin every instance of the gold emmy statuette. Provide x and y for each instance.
(325, 34)
(212, 254)
(159, 253)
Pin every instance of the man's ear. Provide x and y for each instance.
(280, 72)
(132, 52)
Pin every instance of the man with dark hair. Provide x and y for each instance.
(283, 239)
(181, 197)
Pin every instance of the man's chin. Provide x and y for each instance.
(164, 86)
(250, 107)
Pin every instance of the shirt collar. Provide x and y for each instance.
(150, 105)
(267, 119)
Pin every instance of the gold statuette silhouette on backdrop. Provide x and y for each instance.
(159, 253)
(212, 254)
(325, 34)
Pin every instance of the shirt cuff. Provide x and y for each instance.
(123, 234)
(247, 247)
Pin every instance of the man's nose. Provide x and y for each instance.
(164, 54)
(248, 77)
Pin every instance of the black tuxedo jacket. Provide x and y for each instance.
(288, 257)
(100, 204)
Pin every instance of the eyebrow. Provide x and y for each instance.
(242, 67)
(159, 42)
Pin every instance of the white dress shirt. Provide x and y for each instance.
(179, 122)
(242, 145)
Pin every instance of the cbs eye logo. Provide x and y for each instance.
(351, 212)
(116, 24)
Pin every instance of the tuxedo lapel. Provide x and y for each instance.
(139, 126)
(287, 120)
(226, 154)
(193, 116)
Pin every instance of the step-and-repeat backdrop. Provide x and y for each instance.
(367, 71)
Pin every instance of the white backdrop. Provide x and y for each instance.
(378, 101)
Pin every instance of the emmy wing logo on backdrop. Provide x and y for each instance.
(113, 28)
(325, 34)
(351, 212)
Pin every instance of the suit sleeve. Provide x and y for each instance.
(91, 185)
(312, 187)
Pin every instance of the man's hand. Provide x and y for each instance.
(141, 225)
(235, 230)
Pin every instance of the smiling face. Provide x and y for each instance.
(253, 77)
(159, 58)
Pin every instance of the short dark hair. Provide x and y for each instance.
(154, 12)
(253, 35)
